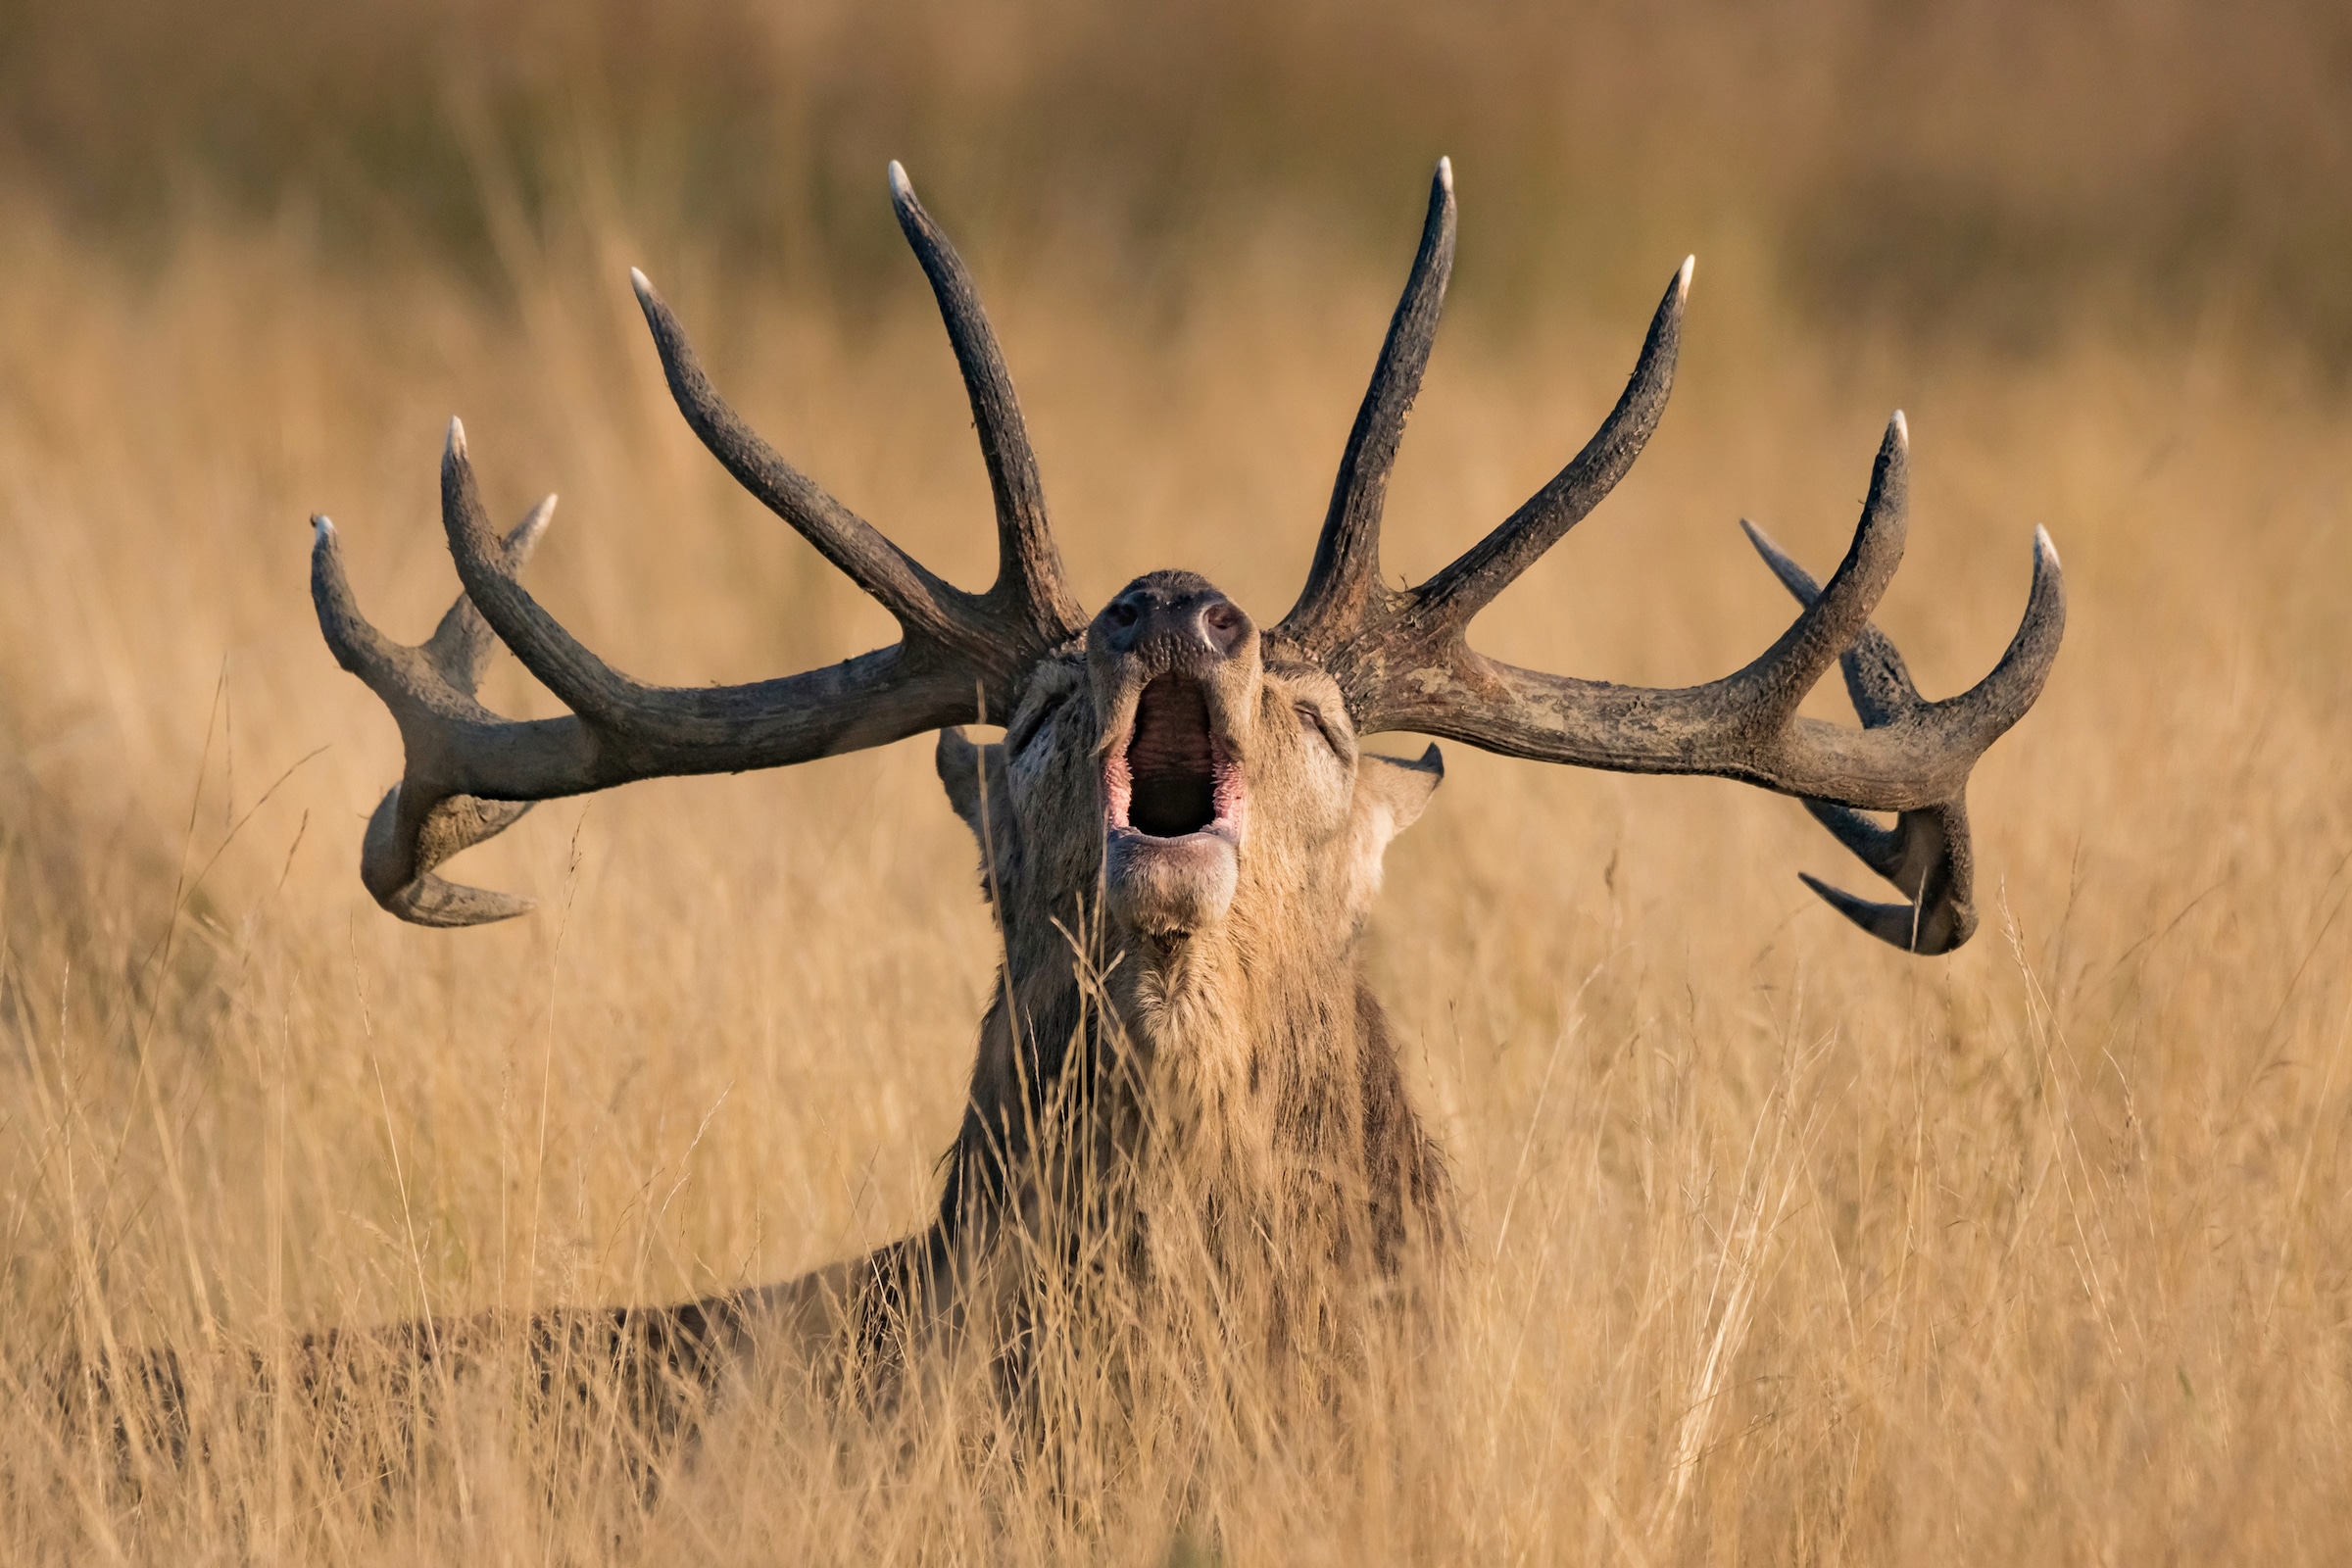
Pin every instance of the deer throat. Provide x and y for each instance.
(1174, 804)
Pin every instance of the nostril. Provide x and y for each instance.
(1225, 624)
(1122, 616)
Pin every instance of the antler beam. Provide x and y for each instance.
(1417, 672)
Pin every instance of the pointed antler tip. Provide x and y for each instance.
(900, 191)
(1858, 910)
(641, 285)
(1682, 277)
(1793, 578)
(1898, 429)
(534, 523)
(1445, 174)
(323, 529)
(456, 447)
(2043, 548)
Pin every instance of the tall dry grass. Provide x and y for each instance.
(1781, 1246)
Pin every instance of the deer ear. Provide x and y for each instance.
(1399, 787)
(961, 764)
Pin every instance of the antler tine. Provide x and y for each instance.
(349, 636)
(1876, 677)
(1029, 573)
(1834, 619)
(587, 685)
(921, 603)
(460, 647)
(1985, 712)
(1742, 725)
(1935, 870)
(1881, 687)
(1459, 592)
(396, 857)
(1347, 564)
(415, 827)
(1927, 854)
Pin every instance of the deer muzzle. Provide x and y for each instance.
(1174, 798)
(1175, 667)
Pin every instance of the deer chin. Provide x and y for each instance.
(1170, 887)
(1173, 806)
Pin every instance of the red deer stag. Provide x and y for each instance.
(1188, 785)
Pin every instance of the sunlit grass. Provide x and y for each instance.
(1781, 1246)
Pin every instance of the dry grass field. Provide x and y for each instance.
(1783, 1246)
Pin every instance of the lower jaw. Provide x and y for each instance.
(1173, 886)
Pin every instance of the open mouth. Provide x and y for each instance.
(1173, 777)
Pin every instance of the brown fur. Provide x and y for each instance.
(1223, 1096)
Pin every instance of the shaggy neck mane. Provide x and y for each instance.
(1175, 1082)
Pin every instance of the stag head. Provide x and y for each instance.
(1137, 759)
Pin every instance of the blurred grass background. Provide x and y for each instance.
(1993, 171)
(1784, 1247)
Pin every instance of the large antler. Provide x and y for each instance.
(470, 773)
(1404, 662)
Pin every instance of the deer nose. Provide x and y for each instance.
(1181, 626)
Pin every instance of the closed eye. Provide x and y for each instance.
(1310, 717)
